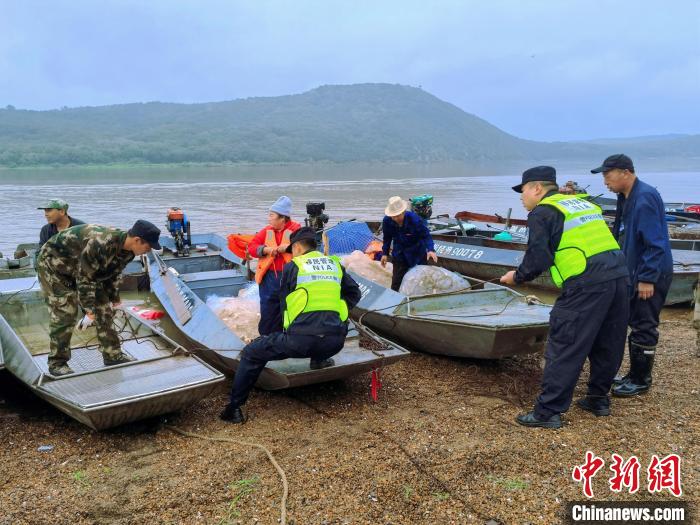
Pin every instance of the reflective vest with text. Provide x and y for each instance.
(318, 287)
(585, 234)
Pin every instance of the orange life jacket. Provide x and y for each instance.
(238, 244)
(264, 263)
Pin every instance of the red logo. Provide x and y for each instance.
(665, 474)
(584, 473)
(625, 474)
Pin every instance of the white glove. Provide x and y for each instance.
(85, 322)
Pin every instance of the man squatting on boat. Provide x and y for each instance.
(316, 294)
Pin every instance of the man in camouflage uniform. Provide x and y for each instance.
(57, 219)
(80, 267)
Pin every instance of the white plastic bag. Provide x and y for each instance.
(241, 314)
(428, 280)
(362, 265)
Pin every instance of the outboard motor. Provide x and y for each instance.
(316, 218)
(422, 206)
(179, 228)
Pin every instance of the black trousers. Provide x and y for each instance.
(644, 314)
(585, 323)
(399, 269)
(275, 347)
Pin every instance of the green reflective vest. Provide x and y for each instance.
(585, 234)
(318, 287)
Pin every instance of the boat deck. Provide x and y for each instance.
(163, 378)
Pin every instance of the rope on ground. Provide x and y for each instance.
(283, 476)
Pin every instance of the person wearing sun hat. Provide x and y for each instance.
(57, 218)
(406, 238)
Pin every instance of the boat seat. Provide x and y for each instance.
(88, 359)
(209, 276)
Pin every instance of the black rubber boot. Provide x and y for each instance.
(597, 405)
(642, 362)
(233, 414)
(619, 378)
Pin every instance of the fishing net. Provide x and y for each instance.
(241, 314)
(362, 265)
(428, 280)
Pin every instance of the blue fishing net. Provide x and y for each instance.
(347, 237)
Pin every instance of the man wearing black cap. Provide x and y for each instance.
(79, 267)
(640, 228)
(316, 295)
(569, 237)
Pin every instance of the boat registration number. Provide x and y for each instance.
(458, 251)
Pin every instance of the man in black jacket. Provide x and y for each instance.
(316, 295)
(569, 237)
(57, 218)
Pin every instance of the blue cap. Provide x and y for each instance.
(283, 206)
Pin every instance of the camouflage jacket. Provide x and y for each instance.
(91, 256)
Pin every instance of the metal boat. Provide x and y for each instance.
(164, 378)
(479, 258)
(487, 321)
(214, 270)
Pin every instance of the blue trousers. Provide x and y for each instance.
(275, 347)
(644, 314)
(585, 323)
(270, 311)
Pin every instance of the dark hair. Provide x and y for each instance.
(308, 244)
(285, 217)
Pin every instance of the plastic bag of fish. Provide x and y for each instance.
(428, 280)
(362, 265)
(241, 314)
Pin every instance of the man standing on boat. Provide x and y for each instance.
(411, 239)
(641, 229)
(569, 237)
(269, 246)
(57, 218)
(316, 294)
(80, 267)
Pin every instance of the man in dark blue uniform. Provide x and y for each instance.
(408, 238)
(569, 237)
(640, 228)
(316, 295)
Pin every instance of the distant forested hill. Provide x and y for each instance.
(365, 122)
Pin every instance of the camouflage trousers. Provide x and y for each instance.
(61, 296)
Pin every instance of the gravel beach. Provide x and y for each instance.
(440, 446)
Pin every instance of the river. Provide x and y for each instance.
(236, 199)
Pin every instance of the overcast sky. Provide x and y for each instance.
(545, 70)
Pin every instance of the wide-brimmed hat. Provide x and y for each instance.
(396, 206)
